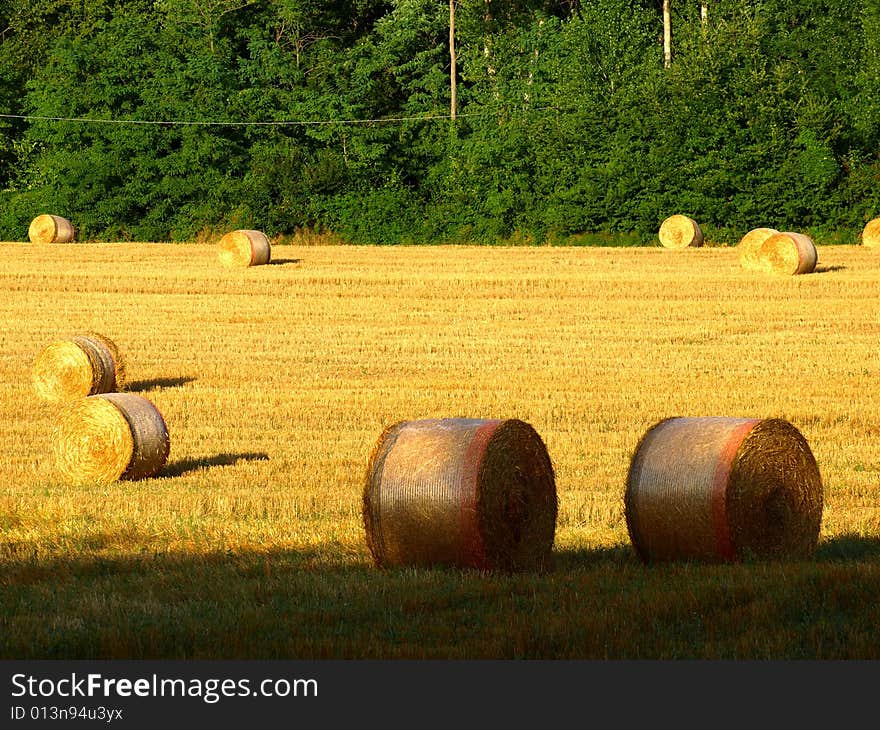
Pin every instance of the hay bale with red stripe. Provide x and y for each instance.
(76, 367)
(461, 492)
(244, 248)
(788, 254)
(750, 244)
(107, 437)
(50, 229)
(679, 231)
(871, 234)
(723, 490)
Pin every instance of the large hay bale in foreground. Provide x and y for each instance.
(788, 254)
(111, 436)
(679, 231)
(723, 489)
(462, 492)
(244, 248)
(50, 229)
(750, 244)
(79, 366)
(871, 234)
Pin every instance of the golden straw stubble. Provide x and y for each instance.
(788, 254)
(81, 365)
(679, 231)
(750, 244)
(103, 438)
(462, 492)
(871, 234)
(244, 248)
(723, 489)
(48, 228)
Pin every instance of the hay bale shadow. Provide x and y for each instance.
(143, 386)
(845, 548)
(568, 560)
(829, 269)
(282, 262)
(186, 466)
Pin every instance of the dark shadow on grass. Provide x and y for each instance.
(828, 269)
(143, 386)
(139, 594)
(845, 548)
(848, 548)
(281, 262)
(565, 561)
(186, 466)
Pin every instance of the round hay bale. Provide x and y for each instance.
(679, 231)
(723, 489)
(244, 248)
(50, 229)
(750, 244)
(788, 253)
(79, 366)
(103, 438)
(462, 492)
(871, 234)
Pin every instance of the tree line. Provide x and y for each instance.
(573, 120)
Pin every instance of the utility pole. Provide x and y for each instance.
(452, 60)
(667, 36)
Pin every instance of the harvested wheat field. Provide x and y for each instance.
(274, 382)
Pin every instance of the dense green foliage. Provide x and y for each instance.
(568, 123)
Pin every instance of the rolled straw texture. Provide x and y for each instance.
(750, 244)
(461, 492)
(244, 248)
(722, 490)
(103, 438)
(788, 254)
(76, 367)
(871, 234)
(50, 229)
(679, 231)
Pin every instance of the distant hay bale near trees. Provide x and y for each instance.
(871, 234)
(77, 367)
(723, 489)
(244, 248)
(103, 438)
(50, 229)
(679, 231)
(750, 244)
(462, 492)
(788, 253)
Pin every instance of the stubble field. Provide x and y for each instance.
(276, 381)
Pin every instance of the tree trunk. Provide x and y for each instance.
(667, 35)
(452, 60)
(704, 12)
